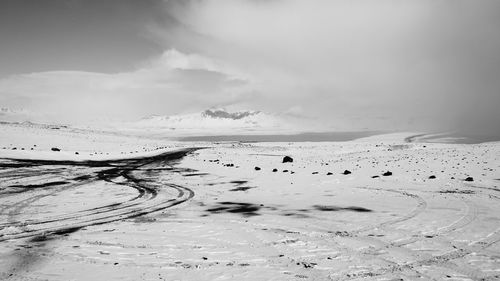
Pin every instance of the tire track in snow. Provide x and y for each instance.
(150, 198)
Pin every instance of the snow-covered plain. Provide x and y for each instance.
(222, 212)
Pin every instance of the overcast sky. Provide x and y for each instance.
(359, 63)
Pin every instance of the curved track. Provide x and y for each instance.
(146, 176)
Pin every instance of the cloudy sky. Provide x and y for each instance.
(347, 63)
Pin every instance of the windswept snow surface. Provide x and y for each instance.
(209, 214)
(35, 141)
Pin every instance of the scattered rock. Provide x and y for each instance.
(314, 173)
(469, 179)
(374, 177)
(275, 170)
(458, 191)
(346, 172)
(287, 159)
(341, 233)
(307, 264)
(55, 149)
(77, 153)
(257, 168)
(329, 173)
(285, 171)
(386, 174)
(432, 177)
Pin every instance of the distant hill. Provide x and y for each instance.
(221, 121)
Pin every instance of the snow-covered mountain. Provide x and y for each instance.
(221, 121)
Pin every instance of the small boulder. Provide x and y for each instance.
(287, 159)
(374, 177)
(346, 172)
(432, 177)
(275, 170)
(55, 149)
(386, 174)
(329, 173)
(257, 168)
(469, 179)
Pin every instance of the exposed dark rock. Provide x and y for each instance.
(257, 168)
(55, 149)
(469, 179)
(242, 188)
(432, 177)
(287, 159)
(245, 209)
(329, 173)
(275, 170)
(336, 208)
(346, 172)
(219, 113)
(374, 177)
(386, 174)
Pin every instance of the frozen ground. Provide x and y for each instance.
(177, 213)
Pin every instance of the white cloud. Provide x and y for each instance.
(359, 63)
(171, 83)
(398, 61)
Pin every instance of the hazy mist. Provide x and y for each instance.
(412, 65)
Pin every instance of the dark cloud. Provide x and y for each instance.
(388, 64)
(88, 35)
